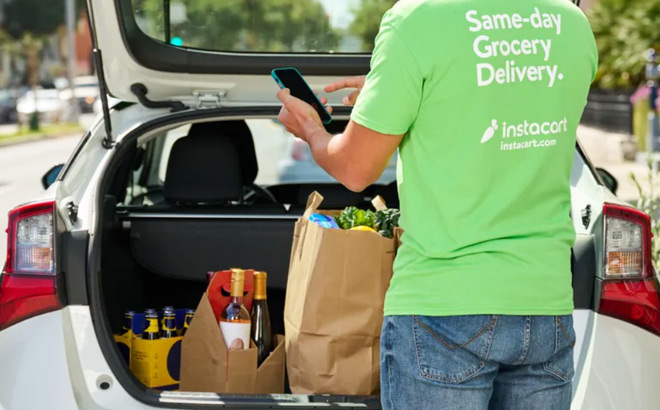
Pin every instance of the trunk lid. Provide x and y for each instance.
(220, 53)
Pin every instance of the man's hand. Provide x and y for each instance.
(300, 118)
(349, 82)
(357, 157)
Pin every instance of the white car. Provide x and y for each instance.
(48, 103)
(85, 90)
(124, 225)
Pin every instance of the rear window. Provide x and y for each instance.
(268, 26)
(282, 159)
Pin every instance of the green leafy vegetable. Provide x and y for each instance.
(352, 216)
(382, 221)
(386, 220)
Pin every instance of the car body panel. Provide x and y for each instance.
(35, 373)
(88, 366)
(621, 368)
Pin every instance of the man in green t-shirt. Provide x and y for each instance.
(482, 99)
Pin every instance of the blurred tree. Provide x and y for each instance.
(263, 25)
(367, 20)
(33, 16)
(27, 22)
(624, 30)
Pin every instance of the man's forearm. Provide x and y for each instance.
(332, 154)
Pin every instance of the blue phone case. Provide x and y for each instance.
(279, 82)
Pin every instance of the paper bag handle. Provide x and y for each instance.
(379, 203)
(313, 202)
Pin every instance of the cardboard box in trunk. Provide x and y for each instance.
(156, 363)
(207, 365)
(334, 307)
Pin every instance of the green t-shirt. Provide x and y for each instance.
(489, 94)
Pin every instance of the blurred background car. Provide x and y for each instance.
(48, 102)
(298, 166)
(7, 106)
(85, 90)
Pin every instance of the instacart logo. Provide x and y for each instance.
(516, 136)
(490, 131)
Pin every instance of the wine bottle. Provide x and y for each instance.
(235, 319)
(261, 329)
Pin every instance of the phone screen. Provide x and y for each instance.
(292, 79)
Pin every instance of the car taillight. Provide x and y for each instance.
(630, 289)
(28, 285)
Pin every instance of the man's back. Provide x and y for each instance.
(493, 93)
(482, 98)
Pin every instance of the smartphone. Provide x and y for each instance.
(291, 78)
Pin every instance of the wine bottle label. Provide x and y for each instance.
(237, 335)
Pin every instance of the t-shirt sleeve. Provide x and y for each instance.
(391, 97)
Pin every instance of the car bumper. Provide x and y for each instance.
(44, 360)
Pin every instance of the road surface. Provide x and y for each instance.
(21, 169)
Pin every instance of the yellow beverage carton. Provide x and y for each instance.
(157, 363)
(124, 344)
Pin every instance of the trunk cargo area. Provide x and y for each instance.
(154, 258)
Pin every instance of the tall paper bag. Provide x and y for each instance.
(334, 307)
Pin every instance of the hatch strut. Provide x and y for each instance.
(140, 91)
(108, 142)
(166, 21)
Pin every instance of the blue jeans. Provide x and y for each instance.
(477, 362)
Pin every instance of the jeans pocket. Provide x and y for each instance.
(561, 364)
(452, 349)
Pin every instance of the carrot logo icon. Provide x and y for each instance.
(490, 131)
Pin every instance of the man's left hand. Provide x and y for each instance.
(300, 118)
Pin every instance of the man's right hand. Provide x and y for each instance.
(349, 82)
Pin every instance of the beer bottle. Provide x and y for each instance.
(150, 311)
(151, 331)
(128, 322)
(166, 310)
(261, 331)
(190, 313)
(169, 325)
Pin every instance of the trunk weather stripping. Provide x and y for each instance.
(140, 91)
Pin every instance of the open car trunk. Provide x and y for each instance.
(159, 259)
(159, 255)
(155, 256)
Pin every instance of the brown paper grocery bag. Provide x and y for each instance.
(270, 375)
(334, 307)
